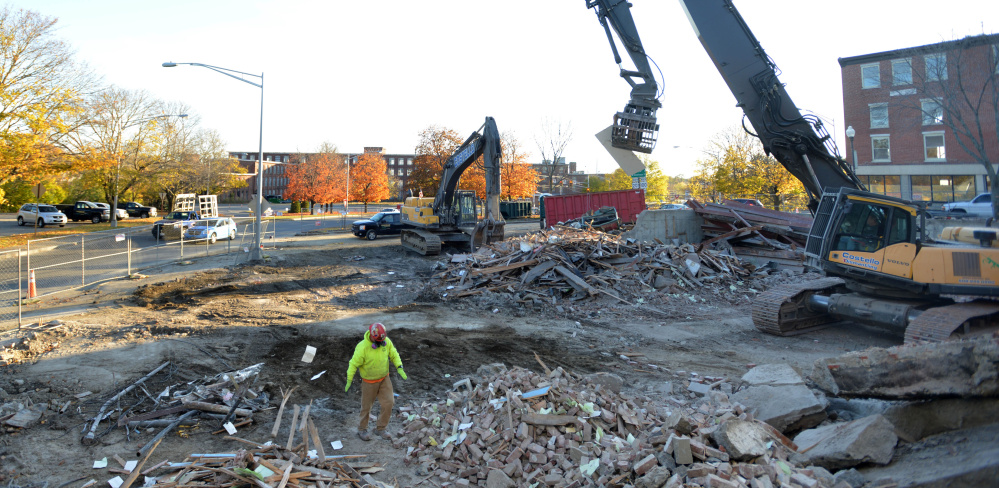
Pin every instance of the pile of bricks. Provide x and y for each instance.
(580, 264)
(516, 428)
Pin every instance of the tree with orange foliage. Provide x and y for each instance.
(518, 178)
(368, 181)
(436, 145)
(318, 179)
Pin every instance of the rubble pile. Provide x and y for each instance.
(755, 232)
(582, 264)
(518, 428)
(228, 397)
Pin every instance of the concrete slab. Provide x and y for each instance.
(773, 375)
(786, 407)
(847, 444)
(742, 440)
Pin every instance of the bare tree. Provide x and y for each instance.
(552, 141)
(957, 87)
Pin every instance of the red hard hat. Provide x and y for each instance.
(377, 332)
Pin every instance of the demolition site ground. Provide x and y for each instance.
(206, 320)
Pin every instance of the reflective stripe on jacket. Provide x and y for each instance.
(373, 363)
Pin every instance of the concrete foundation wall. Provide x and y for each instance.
(666, 225)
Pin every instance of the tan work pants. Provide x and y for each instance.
(382, 391)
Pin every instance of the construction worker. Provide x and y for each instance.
(371, 358)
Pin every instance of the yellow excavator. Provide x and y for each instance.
(881, 267)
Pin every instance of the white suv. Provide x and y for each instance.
(42, 214)
(980, 206)
(120, 213)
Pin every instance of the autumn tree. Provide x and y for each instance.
(657, 183)
(368, 181)
(40, 90)
(595, 183)
(518, 177)
(552, 141)
(436, 145)
(319, 178)
(619, 180)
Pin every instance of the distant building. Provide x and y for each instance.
(397, 166)
(895, 101)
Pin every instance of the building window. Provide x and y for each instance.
(408, 171)
(879, 115)
(392, 161)
(932, 112)
(936, 67)
(392, 171)
(995, 56)
(901, 72)
(409, 161)
(267, 158)
(870, 75)
(881, 149)
(933, 142)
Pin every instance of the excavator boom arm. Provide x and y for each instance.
(799, 142)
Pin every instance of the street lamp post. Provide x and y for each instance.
(255, 254)
(117, 170)
(850, 132)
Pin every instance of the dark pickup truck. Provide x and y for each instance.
(136, 209)
(382, 223)
(85, 211)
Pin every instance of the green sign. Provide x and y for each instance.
(640, 174)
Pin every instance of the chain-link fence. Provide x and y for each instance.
(57, 264)
(10, 286)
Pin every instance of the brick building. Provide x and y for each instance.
(904, 106)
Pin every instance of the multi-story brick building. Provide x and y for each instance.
(905, 106)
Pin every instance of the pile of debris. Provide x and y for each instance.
(580, 264)
(518, 428)
(228, 397)
(264, 465)
(755, 232)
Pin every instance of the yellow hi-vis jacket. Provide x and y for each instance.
(373, 363)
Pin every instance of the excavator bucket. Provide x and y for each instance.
(635, 129)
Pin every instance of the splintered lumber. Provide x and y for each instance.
(214, 408)
(291, 431)
(149, 446)
(91, 437)
(285, 395)
(576, 282)
(499, 269)
(136, 471)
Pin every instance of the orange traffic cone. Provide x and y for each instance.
(31, 284)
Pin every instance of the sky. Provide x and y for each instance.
(377, 72)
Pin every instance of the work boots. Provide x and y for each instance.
(363, 434)
(383, 434)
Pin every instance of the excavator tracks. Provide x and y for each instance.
(421, 241)
(940, 323)
(782, 310)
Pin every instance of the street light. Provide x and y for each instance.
(850, 133)
(255, 254)
(117, 171)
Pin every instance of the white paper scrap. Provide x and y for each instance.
(337, 445)
(263, 471)
(318, 375)
(115, 482)
(310, 354)
(231, 429)
(103, 463)
(149, 481)
(464, 426)
(313, 454)
(130, 465)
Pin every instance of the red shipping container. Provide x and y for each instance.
(562, 208)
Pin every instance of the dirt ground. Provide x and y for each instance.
(324, 293)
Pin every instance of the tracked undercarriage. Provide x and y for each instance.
(796, 308)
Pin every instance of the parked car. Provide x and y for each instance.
(980, 206)
(120, 213)
(272, 198)
(174, 224)
(382, 223)
(748, 201)
(136, 209)
(41, 214)
(673, 206)
(84, 210)
(212, 229)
